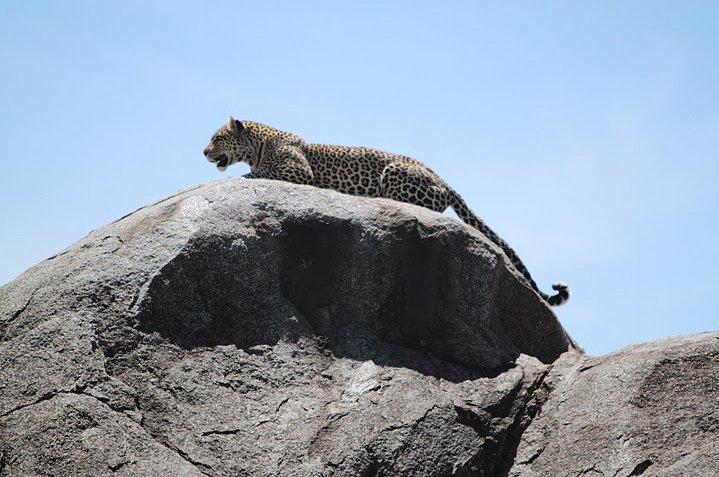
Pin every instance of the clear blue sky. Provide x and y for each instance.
(585, 133)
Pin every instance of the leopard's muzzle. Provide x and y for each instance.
(221, 161)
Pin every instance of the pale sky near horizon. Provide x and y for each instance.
(585, 133)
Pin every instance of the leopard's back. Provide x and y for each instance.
(349, 169)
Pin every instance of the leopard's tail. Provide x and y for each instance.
(469, 217)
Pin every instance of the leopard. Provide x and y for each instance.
(360, 171)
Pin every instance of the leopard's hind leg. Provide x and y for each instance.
(415, 185)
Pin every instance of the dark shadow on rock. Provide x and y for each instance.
(350, 286)
(327, 278)
(213, 294)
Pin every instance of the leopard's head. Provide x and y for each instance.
(230, 144)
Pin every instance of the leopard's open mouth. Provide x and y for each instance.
(221, 161)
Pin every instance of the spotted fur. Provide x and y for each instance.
(274, 154)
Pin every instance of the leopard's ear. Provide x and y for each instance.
(235, 126)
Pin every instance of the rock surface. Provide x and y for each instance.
(650, 409)
(262, 328)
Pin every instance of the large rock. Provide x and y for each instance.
(262, 328)
(650, 410)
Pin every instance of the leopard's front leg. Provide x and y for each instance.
(286, 163)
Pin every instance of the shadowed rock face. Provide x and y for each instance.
(263, 328)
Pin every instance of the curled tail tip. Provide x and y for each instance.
(560, 286)
(562, 295)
